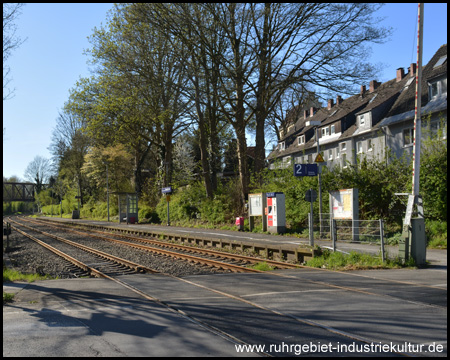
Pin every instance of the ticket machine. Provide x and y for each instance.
(276, 212)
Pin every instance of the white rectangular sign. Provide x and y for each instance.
(342, 203)
(255, 202)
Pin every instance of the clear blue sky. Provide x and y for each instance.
(51, 60)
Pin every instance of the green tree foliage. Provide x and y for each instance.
(433, 171)
(120, 168)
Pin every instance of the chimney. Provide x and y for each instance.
(373, 85)
(305, 114)
(330, 104)
(412, 69)
(400, 74)
(311, 113)
(338, 100)
(363, 89)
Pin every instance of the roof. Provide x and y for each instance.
(406, 100)
(404, 107)
(400, 93)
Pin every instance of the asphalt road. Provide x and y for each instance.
(298, 311)
(285, 313)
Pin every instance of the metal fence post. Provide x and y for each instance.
(383, 257)
(333, 233)
(311, 230)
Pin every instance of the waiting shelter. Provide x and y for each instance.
(128, 207)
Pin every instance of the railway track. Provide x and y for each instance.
(283, 316)
(211, 257)
(93, 262)
(179, 255)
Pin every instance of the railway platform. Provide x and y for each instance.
(288, 247)
(279, 313)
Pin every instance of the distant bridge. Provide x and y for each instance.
(13, 191)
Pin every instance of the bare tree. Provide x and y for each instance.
(38, 171)
(10, 42)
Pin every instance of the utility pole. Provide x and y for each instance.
(107, 190)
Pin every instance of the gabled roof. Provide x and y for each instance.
(406, 100)
(400, 93)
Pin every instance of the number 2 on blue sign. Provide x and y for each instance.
(298, 170)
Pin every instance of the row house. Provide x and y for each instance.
(368, 123)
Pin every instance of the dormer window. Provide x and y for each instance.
(301, 139)
(437, 87)
(325, 131)
(361, 120)
(281, 146)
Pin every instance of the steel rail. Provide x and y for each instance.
(262, 307)
(127, 263)
(209, 252)
(132, 288)
(189, 258)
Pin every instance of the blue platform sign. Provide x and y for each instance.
(167, 190)
(305, 169)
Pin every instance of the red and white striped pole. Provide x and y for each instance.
(417, 116)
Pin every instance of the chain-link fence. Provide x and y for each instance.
(324, 227)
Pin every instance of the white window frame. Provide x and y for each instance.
(362, 121)
(333, 129)
(301, 139)
(282, 146)
(410, 134)
(330, 154)
(343, 146)
(369, 145)
(337, 152)
(359, 147)
(437, 88)
(344, 161)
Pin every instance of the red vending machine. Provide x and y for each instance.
(276, 212)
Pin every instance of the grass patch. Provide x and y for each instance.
(13, 275)
(7, 298)
(353, 261)
(262, 266)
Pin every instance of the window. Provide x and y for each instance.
(436, 88)
(369, 145)
(441, 60)
(290, 128)
(343, 146)
(344, 160)
(333, 129)
(408, 136)
(282, 145)
(359, 147)
(325, 131)
(330, 154)
(306, 159)
(337, 152)
(361, 120)
(301, 139)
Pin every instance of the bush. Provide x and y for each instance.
(148, 214)
(436, 233)
(184, 203)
